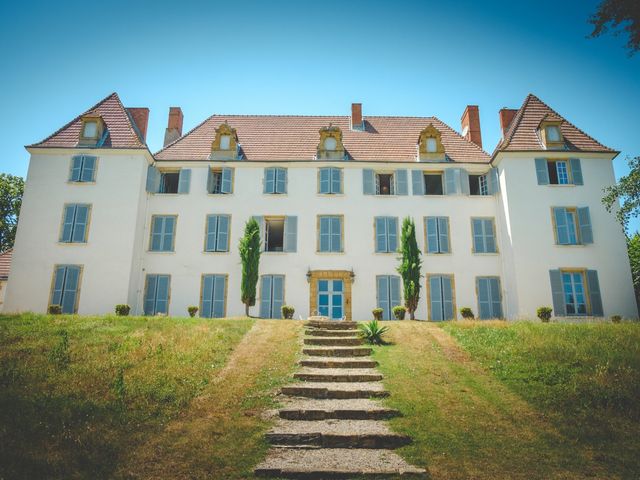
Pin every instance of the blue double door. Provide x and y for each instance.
(331, 299)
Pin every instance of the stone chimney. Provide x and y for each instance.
(140, 117)
(356, 117)
(506, 117)
(174, 128)
(470, 123)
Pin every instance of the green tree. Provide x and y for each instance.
(409, 269)
(11, 190)
(633, 248)
(615, 15)
(250, 258)
(628, 191)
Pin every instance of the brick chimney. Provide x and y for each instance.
(470, 123)
(356, 117)
(140, 116)
(506, 117)
(174, 128)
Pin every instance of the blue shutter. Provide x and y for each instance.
(493, 182)
(368, 182)
(70, 291)
(557, 293)
(392, 234)
(281, 180)
(435, 293)
(169, 231)
(336, 234)
(153, 179)
(291, 234)
(325, 236)
(443, 234)
(269, 180)
(222, 243)
(447, 299)
(450, 181)
(58, 285)
(219, 287)
(76, 169)
(584, 221)
(484, 300)
(184, 180)
(336, 180)
(265, 296)
(431, 226)
(562, 228)
(489, 236)
(417, 181)
(464, 182)
(67, 223)
(496, 298)
(402, 182)
(542, 171)
(576, 171)
(88, 169)
(381, 234)
(227, 180)
(207, 296)
(478, 235)
(383, 296)
(150, 295)
(209, 181)
(277, 296)
(80, 224)
(593, 288)
(325, 180)
(394, 293)
(212, 233)
(162, 294)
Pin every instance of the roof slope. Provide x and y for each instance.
(522, 134)
(5, 264)
(280, 137)
(122, 133)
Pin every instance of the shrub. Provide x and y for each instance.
(192, 310)
(467, 313)
(544, 314)
(616, 318)
(122, 310)
(377, 313)
(54, 309)
(399, 312)
(288, 311)
(372, 332)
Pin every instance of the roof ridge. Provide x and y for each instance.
(182, 137)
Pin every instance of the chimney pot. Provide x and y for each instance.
(174, 127)
(506, 117)
(140, 117)
(470, 123)
(356, 117)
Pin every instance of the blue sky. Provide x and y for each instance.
(296, 57)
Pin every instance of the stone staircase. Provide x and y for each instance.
(330, 425)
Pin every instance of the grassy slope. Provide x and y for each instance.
(468, 423)
(78, 395)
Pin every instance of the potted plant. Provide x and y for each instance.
(544, 314)
(122, 310)
(467, 313)
(192, 310)
(377, 313)
(399, 312)
(288, 311)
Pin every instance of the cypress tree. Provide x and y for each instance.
(409, 269)
(249, 248)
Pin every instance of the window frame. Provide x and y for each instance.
(451, 277)
(265, 234)
(495, 237)
(318, 235)
(85, 239)
(165, 171)
(430, 173)
(275, 181)
(387, 220)
(576, 227)
(330, 181)
(271, 303)
(477, 289)
(585, 290)
(226, 293)
(80, 181)
(206, 232)
(144, 293)
(392, 183)
(78, 289)
(426, 235)
(173, 237)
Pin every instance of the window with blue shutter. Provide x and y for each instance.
(437, 233)
(83, 168)
(417, 182)
(214, 295)
(275, 180)
(290, 234)
(559, 171)
(441, 305)
(156, 294)
(489, 297)
(271, 296)
(330, 234)
(217, 235)
(66, 285)
(75, 223)
(575, 297)
(163, 229)
(184, 180)
(402, 182)
(368, 182)
(572, 226)
(330, 181)
(153, 179)
(484, 239)
(388, 294)
(386, 234)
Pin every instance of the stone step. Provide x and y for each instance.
(338, 362)
(309, 374)
(333, 341)
(337, 351)
(336, 463)
(336, 434)
(353, 409)
(335, 390)
(332, 325)
(321, 332)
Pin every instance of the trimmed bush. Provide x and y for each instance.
(399, 312)
(467, 313)
(54, 310)
(377, 313)
(372, 332)
(616, 318)
(192, 310)
(288, 311)
(544, 314)
(122, 310)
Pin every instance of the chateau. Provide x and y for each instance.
(105, 221)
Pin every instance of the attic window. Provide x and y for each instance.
(330, 144)
(225, 142)
(553, 134)
(432, 145)
(90, 129)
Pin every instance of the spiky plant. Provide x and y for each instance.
(372, 332)
(409, 269)
(249, 248)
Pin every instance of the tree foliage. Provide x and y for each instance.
(249, 248)
(633, 248)
(628, 191)
(618, 16)
(11, 190)
(409, 269)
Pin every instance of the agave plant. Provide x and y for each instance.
(372, 332)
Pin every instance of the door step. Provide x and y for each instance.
(322, 332)
(332, 325)
(355, 409)
(335, 390)
(338, 362)
(338, 351)
(333, 341)
(337, 375)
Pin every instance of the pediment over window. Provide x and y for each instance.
(550, 132)
(225, 144)
(92, 131)
(330, 146)
(430, 146)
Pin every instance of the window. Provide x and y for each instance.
(279, 234)
(384, 184)
(271, 296)
(214, 296)
(386, 230)
(489, 297)
(484, 240)
(90, 130)
(388, 294)
(169, 182)
(220, 181)
(156, 294)
(275, 180)
(575, 292)
(83, 168)
(330, 181)
(553, 134)
(441, 305)
(433, 184)
(437, 233)
(478, 185)
(225, 142)
(65, 288)
(432, 145)
(330, 234)
(75, 223)
(274, 236)
(559, 172)
(217, 233)
(572, 225)
(330, 144)
(163, 229)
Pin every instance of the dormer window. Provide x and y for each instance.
(330, 146)
(432, 145)
(91, 130)
(225, 141)
(225, 145)
(550, 133)
(430, 148)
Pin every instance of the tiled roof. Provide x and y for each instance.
(522, 134)
(117, 121)
(5, 264)
(279, 137)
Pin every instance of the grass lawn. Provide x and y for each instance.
(114, 397)
(517, 400)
